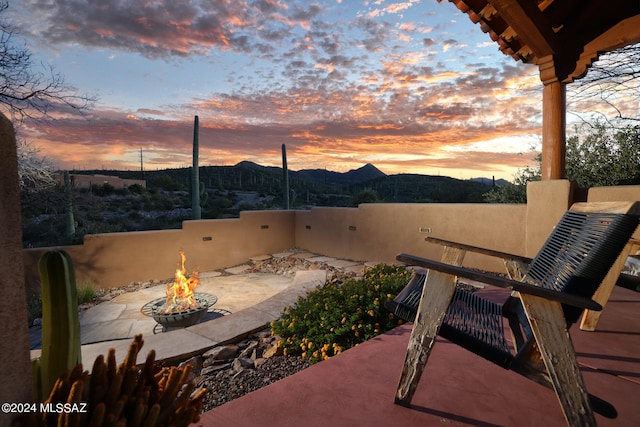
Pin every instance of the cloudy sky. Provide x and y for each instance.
(410, 86)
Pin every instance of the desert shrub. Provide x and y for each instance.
(136, 189)
(336, 317)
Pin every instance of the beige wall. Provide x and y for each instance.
(377, 232)
(115, 259)
(614, 194)
(371, 232)
(547, 201)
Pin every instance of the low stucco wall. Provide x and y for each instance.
(614, 194)
(378, 232)
(115, 259)
(371, 232)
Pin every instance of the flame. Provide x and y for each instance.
(180, 295)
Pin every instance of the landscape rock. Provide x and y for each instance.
(274, 350)
(242, 363)
(222, 352)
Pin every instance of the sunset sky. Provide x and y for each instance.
(410, 86)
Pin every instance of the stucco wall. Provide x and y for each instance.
(115, 259)
(546, 203)
(377, 232)
(371, 232)
(614, 194)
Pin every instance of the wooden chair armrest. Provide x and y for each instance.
(501, 282)
(483, 251)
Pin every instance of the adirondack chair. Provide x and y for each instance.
(549, 296)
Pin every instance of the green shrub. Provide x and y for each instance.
(336, 317)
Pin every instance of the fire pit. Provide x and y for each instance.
(182, 307)
(182, 318)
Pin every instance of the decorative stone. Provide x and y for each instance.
(242, 363)
(214, 368)
(223, 352)
(249, 350)
(274, 350)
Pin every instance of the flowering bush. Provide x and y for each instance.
(336, 317)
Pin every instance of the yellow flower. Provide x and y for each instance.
(304, 355)
(344, 320)
(371, 313)
(310, 345)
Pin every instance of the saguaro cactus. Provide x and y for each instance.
(195, 175)
(285, 177)
(70, 223)
(60, 323)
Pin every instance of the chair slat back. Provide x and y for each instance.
(580, 251)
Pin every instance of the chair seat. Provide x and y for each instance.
(477, 324)
(471, 321)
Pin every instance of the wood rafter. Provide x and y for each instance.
(562, 37)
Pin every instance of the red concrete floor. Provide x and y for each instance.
(357, 387)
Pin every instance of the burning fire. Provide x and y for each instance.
(180, 295)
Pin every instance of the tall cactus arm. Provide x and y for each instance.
(60, 323)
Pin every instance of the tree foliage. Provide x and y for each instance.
(516, 192)
(604, 156)
(35, 171)
(596, 157)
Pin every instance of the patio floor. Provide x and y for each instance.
(356, 388)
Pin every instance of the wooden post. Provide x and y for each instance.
(554, 105)
(550, 330)
(17, 384)
(437, 293)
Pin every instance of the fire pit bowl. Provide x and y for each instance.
(179, 319)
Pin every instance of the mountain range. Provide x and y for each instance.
(354, 176)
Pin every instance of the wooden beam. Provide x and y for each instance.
(625, 33)
(553, 131)
(530, 24)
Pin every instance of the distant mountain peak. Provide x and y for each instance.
(365, 173)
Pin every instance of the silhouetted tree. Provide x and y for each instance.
(24, 90)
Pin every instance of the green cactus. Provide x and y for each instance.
(195, 175)
(204, 196)
(70, 222)
(285, 173)
(60, 323)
